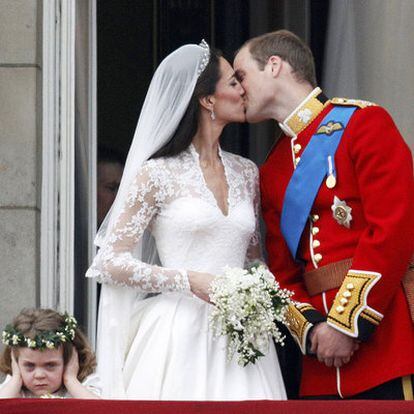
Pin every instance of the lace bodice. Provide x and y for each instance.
(171, 199)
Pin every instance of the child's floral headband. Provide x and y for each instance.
(47, 339)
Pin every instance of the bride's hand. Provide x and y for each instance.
(200, 284)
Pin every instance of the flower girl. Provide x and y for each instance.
(47, 356)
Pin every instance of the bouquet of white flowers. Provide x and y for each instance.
(248, 303)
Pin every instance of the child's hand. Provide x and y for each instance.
(70, 379)
(72, 367)
(13, 387)
(16, 374)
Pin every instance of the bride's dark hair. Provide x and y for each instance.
(187, 128)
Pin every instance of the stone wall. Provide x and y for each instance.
(20, 157)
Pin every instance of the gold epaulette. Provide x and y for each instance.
(352, 102)
(350, 312)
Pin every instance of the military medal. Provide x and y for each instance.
(331, 180)
(341, 212)
(330, 128)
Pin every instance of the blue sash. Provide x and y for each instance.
(309, 174)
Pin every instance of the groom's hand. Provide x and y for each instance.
(331, 346)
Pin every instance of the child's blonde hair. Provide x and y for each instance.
(32, 322)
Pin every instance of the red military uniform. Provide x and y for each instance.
(374, 185)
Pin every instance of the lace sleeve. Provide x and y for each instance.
(115, 262)
(254, 251)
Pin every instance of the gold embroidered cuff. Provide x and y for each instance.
(350, 312)
(301, 317)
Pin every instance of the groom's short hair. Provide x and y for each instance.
(287, 46)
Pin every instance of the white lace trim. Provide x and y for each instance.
(161, 182)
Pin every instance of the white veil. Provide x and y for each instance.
(166, 101)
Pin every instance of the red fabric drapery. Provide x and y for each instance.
(70, 406)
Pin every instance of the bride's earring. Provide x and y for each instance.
(212, 114)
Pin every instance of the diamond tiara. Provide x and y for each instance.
(206, 57)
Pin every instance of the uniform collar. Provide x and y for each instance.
(304, 113)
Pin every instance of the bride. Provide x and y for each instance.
(192, 208)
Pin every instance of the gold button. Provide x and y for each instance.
(340, 309)
(343, 301)
(297, 160)
(347, 294)
(350, 286)
(297, 148)
(315, 230)
(318, 257)
(316, 243)
(315, 217)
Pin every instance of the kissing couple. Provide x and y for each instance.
(186, 209)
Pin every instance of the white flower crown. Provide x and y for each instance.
(47, 339)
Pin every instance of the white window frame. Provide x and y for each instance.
(58, 115)
(58, 157)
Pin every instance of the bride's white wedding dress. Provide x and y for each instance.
(171, 353)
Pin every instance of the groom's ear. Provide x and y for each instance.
(275, 65)
(207, 102)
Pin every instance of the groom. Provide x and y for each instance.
(337, 199)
